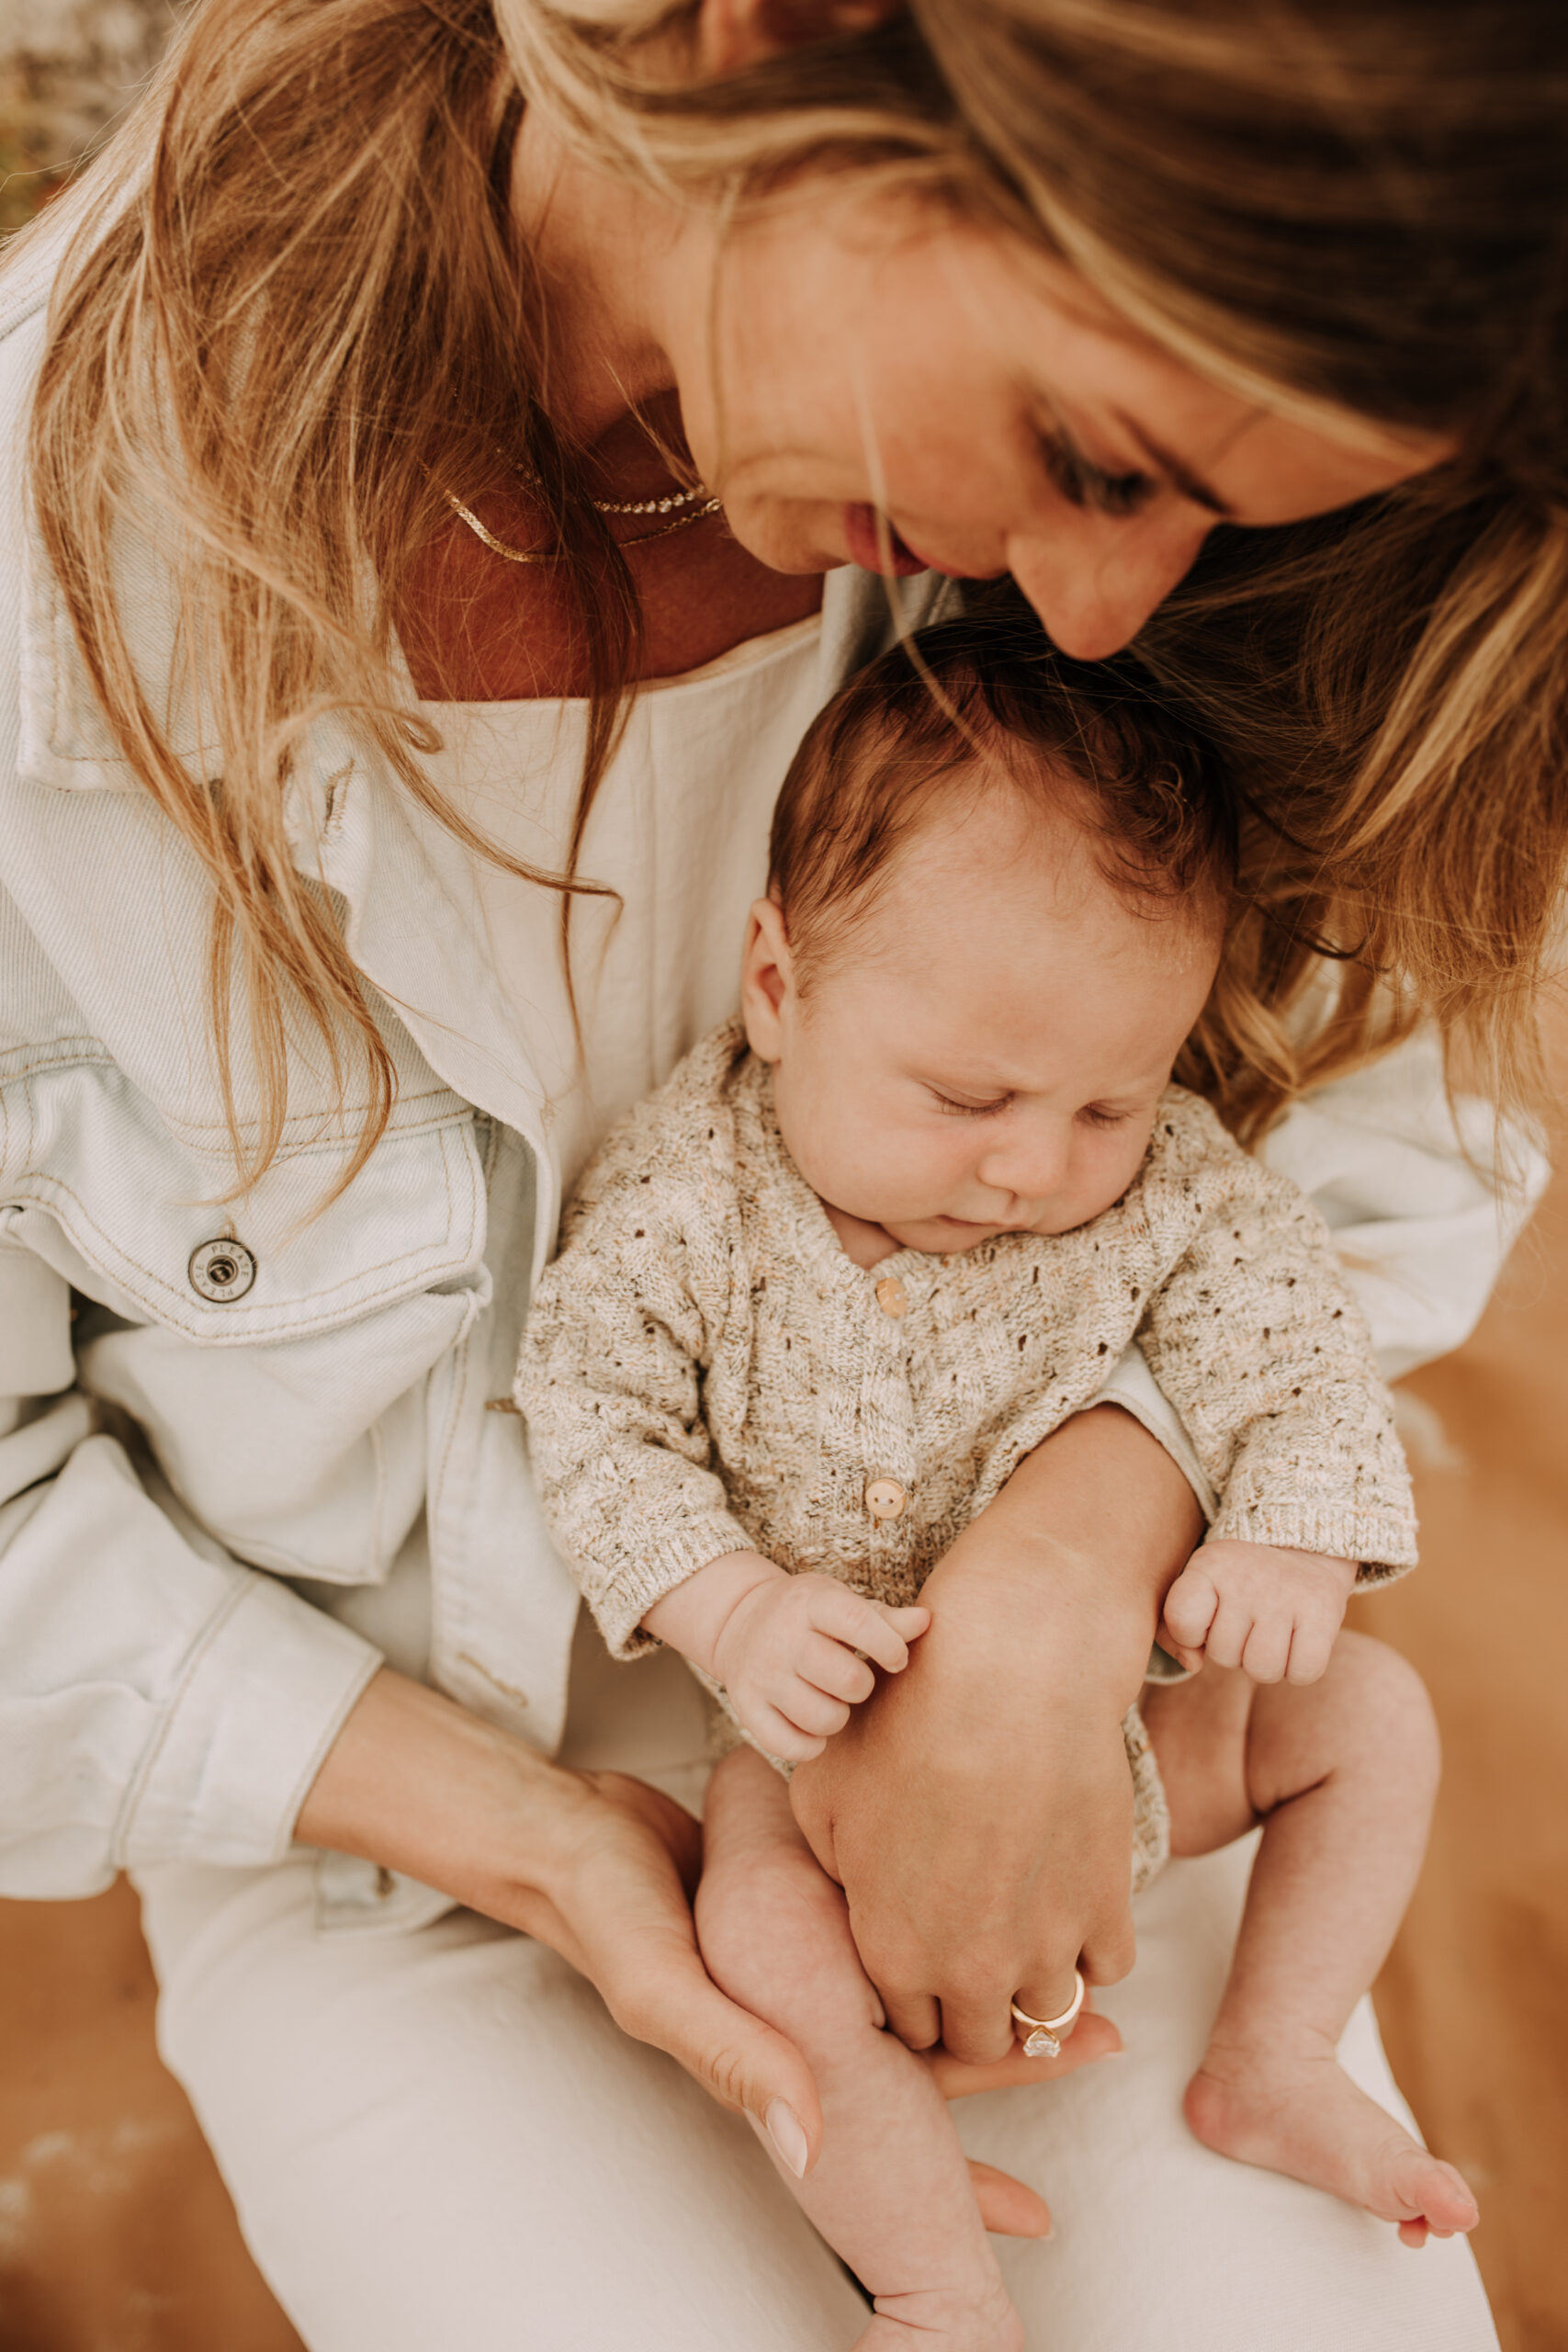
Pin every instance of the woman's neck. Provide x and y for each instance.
(614, 263)
(610, 259)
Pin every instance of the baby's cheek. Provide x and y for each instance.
(1106, 1173)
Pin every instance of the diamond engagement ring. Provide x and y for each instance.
(1047, 2035)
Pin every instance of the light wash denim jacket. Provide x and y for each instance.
(200, 1403)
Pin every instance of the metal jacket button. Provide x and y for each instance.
(891, 1295)
(222, 1271)
(885, 1499)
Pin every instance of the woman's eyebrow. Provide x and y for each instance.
(1179, 474)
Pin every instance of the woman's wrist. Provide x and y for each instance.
(1069, 1568)
(416, 1784)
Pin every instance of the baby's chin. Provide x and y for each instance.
(949, 1236)
(940, 1236)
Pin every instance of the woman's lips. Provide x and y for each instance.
(865, 548)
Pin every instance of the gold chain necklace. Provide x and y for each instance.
(664, 506)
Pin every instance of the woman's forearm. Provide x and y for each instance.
(416, 1784)
(1082, 1543)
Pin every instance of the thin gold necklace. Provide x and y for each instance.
(667, 503)
(710, 506)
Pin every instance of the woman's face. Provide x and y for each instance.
(845, 355)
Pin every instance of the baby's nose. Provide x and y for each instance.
(1031, 1170)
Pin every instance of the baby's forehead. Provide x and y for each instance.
(998, 856)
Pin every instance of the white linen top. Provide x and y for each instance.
(250, 1406)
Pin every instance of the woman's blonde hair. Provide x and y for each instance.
(299, 281)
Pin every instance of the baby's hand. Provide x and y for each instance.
(1272, 1613)
(785, 1647)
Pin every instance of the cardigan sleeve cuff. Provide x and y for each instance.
(622, 1599)
(1381, 1542)
(263, 1696)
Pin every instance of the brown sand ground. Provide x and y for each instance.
(114, 2231)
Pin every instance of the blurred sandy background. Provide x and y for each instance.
(116, 2235)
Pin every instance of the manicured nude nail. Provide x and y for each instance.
(787, 2133)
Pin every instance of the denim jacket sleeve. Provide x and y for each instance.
(158, 1700)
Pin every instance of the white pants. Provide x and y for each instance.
(439, 2142)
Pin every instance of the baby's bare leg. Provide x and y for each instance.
(890, 2192)
(1342, 1774)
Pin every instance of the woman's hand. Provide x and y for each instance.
(598, 1866)
(601, 1868)
(978, 1810)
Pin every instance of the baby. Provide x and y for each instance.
(872, 1242)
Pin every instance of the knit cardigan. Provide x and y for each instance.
(705, 1371)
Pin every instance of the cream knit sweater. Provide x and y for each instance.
(705, 1371)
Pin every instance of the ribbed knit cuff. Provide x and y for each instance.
(1383, 1543)
(664, 1560)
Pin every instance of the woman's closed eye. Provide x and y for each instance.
(1085, 485)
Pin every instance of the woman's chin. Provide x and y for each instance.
(788, 535)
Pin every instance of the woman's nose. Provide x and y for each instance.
(1094, 581)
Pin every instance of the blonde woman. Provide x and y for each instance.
(448, 452)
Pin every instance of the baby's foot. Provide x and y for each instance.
(1301, 2114)
(942, 2320)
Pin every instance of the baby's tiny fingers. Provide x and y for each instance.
(775, 1735)
(815, 1713)
(841, 1672)
(860, 1624)
(1229, 1634)
(1310, 1648)
(1267, 1649)
(1191, 1660)
(1189, 1607)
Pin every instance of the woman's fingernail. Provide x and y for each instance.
(787, 2133)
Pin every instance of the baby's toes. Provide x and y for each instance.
(1426, 2194)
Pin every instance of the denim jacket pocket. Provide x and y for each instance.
(87, 1157)
(272, 1354)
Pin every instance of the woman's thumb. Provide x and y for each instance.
(751, 2066)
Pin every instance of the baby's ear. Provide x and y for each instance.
(767, 979)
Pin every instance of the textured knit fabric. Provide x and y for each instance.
(705, 1371)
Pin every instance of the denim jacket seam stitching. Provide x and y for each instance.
(143, 1777)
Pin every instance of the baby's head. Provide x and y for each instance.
(988, 930)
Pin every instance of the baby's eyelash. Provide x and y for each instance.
(1098, 1117)
(969, 1110)
(1083, 484)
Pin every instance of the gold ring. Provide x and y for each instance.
(1047, 2035)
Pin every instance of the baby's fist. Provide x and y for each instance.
(1273, 1612)
(792, 1655)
